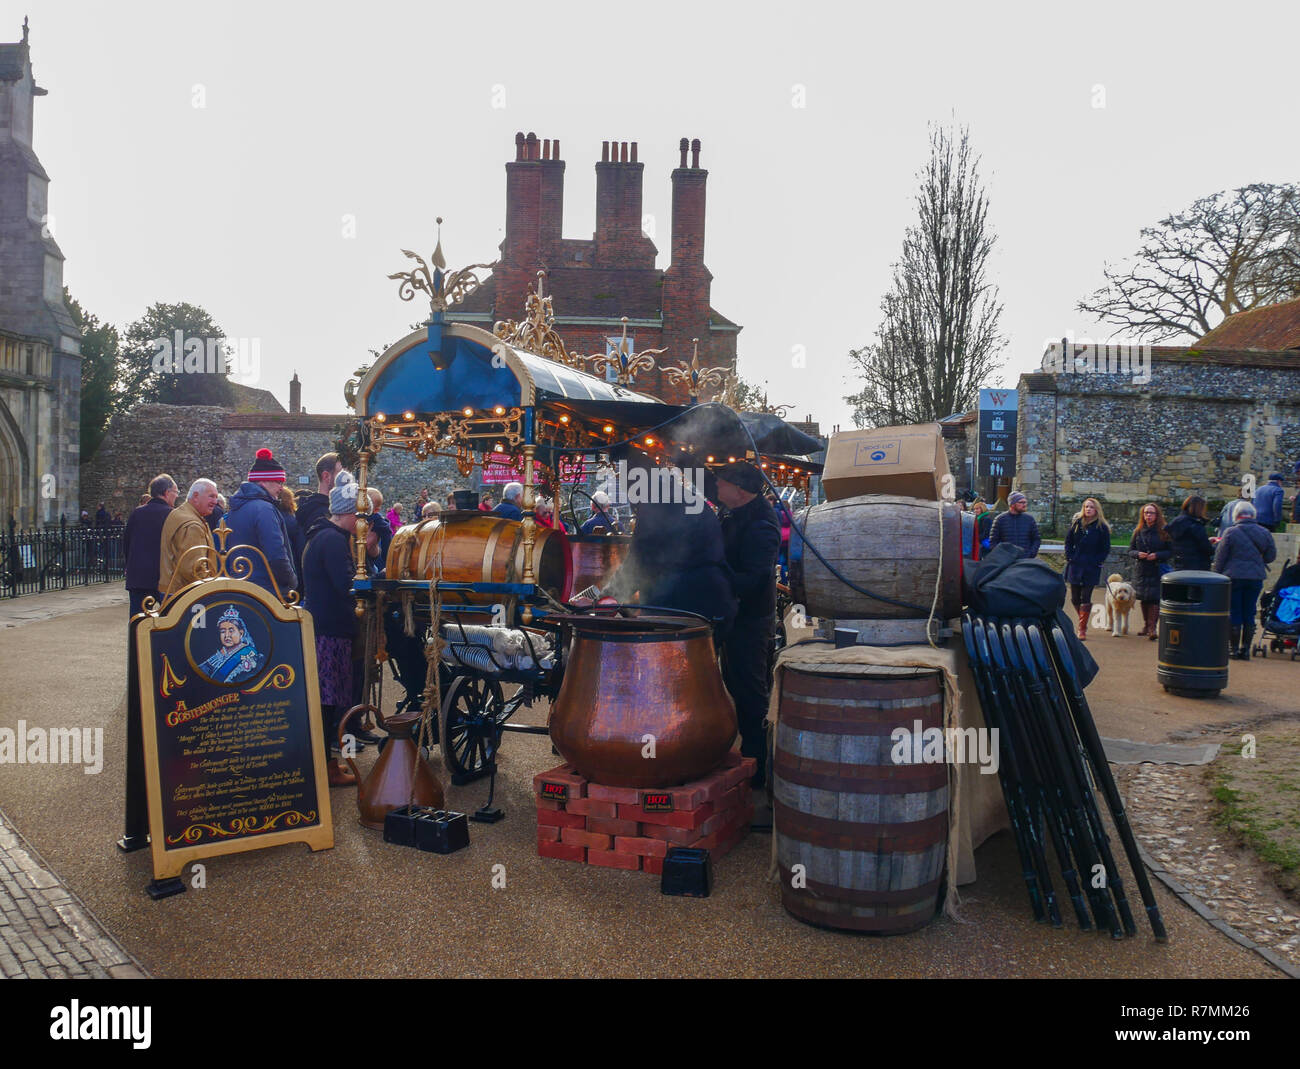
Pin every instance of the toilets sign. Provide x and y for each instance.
(997, 440)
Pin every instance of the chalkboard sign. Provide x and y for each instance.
(230, 710)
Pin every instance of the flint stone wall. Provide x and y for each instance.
(1194, 428)
(191, 442)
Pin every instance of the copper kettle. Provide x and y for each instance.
(642, 703)
(388, 786)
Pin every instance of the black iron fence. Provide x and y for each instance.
(55, 558)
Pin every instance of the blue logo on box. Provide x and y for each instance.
(870, 454)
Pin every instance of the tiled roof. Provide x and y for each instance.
(1272, 327)
(250, 399)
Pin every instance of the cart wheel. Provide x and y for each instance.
(472, 714)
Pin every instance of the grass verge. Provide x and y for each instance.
(1259, 800)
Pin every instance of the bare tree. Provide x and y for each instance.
(1228, 252)
(938, 340)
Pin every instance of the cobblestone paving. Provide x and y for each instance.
(1169, 807)
(44, 930)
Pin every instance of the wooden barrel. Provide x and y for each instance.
(480, 547)
(887, 544)
(871, 835)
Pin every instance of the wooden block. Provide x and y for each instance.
(653, 864)
(619, 795)
(547, 833)
(563, 851)
(613, 860)
(592, 807)
(565, 774)
(546, 803)
(691, 818)
(592, 841)
(624, 844)
(560, 819)
(676, 836)
(613, 827)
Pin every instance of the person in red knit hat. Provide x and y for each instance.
(256, 520)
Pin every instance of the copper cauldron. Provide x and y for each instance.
(594, 558)
(626, 679)
(389, 785)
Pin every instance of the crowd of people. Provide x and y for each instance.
(1241, 548)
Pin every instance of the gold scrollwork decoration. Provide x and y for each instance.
(694, 377)
(626, 366)
(535, 333)
(242, 826)
(443, 288)
(280, 678)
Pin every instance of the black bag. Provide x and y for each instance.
(1006, 584)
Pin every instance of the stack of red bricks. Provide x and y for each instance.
(633, 827)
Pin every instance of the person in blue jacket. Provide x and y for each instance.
(256, 520)
(512, 499)
(1268, 503)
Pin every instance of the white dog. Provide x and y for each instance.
(1120, 599)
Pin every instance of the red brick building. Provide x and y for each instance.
(596, 282)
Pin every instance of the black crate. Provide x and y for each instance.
(688, 872)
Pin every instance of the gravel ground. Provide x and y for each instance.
(366, 908)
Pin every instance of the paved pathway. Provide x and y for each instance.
(14, 612)
(44, 930)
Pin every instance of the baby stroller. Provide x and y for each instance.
(1279, 615)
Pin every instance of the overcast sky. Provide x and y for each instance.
(213, 153)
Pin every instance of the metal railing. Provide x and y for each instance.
(55, 558)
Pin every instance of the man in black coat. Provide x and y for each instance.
(751, 536)
(142, 542)
(314, 510)
(677, 559)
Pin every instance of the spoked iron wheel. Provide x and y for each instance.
(472, 715)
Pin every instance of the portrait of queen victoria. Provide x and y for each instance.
(237, 657)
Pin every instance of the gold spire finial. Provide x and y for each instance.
(438, 260)
(444, 288)
(694, 377)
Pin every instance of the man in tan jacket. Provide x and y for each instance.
(184, 529)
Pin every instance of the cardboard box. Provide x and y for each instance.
(909, 461)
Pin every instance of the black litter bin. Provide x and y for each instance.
(1193, 658)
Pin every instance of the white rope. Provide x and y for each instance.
(938, 579)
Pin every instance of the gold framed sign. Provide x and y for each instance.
(234, 755)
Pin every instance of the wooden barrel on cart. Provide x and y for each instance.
(480, 547)
(870, 832)
(891, 545)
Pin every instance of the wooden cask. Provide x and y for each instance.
(871, 834)
(480, 547)
(886, 544)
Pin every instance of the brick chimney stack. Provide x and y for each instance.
(687, 282)
(619, 240)
(295, 395)
(688, 208)
(534, 219)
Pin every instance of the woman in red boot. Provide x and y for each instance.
(1087, 544)
(1151, 549)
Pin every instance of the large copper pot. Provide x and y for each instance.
(594, 558)
(480, 547)
(626, 679)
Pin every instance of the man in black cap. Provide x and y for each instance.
(751, 536)
(677, 559)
